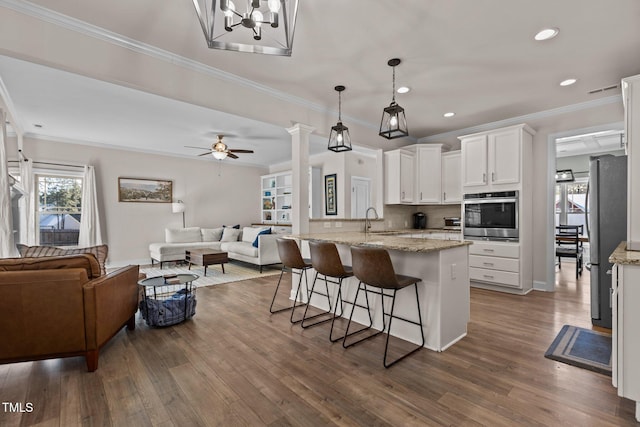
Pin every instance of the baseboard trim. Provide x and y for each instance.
(543, 286)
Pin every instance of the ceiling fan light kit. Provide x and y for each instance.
(394, 122)
(239, 28)
(339, 138)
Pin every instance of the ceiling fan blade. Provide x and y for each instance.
(198, 148)
(240, 151)
(204, 154)
(233, 156)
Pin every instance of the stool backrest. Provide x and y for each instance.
(326, 259)
(373, 266)
(289, 253)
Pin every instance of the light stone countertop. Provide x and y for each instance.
(622, 256)
(384, 240)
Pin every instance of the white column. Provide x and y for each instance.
(300, 177)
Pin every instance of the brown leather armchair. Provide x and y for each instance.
(62, 306)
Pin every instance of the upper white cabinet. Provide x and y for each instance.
(493, 160)
(631, 99)
(428, 173)
(399, 167)
(452, 177)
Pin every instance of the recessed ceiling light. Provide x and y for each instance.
(403, 89)
(568, 82)
(546, 34)
(449, 114)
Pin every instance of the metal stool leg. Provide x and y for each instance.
(304, 316)
(295, 302)
(391, 316)
(361, 286)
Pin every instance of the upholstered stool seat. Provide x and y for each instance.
(292, 260)
(373, 268)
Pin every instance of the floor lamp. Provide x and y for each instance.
(179, 207)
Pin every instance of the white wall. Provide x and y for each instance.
(214, 193)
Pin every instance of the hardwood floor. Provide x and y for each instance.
(234, 364)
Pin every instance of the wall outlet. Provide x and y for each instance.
(327, 225)
(337, 224)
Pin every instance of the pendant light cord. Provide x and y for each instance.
(393, 96)
(339, 106)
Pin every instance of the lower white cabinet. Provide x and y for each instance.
(625, 347)
(495, 264)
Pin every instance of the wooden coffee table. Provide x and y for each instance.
(206, 257)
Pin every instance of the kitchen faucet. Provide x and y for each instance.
(367, 221)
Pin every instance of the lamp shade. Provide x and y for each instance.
(178, 207)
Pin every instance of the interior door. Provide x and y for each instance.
(359, 196)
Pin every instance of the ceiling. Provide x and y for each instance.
(475, 58)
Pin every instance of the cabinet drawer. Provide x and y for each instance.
(503, 278)
(500, 249)
(494, 263)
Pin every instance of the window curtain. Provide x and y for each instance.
(90, 234)
(7, 243)
(29, 230)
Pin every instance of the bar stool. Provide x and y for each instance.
(291, 259)
(373, 267)
(325, 259)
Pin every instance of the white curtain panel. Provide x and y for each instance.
(90, 234)
(29, 230)
(7, 243)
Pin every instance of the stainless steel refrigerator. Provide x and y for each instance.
(606, 227)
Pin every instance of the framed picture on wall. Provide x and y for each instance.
(145, 190)
(330, 195)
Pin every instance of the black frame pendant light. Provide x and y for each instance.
(339, 139)
(394, 122)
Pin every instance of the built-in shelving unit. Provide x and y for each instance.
(276, 198)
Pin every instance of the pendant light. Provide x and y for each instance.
(393, 123)
(339, 139)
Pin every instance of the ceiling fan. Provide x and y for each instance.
(220, 151)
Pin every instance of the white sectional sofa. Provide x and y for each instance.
(239, 244)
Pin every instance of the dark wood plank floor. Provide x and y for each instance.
(234, 364)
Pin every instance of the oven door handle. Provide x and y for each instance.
(476, 201)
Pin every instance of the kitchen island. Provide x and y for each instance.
(444, 291)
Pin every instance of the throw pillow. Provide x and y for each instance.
(100, 252)
(230, 235)
(211, 234)
(265, 231)
(249, 233)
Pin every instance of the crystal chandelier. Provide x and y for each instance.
(255, 26)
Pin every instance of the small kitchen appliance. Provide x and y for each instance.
(419, 220)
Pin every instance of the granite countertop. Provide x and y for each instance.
(382, 240)
(622, 256)
(418, 231)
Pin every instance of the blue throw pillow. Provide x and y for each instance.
(265, 231)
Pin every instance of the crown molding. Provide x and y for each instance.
(524, 119)
(116, 39)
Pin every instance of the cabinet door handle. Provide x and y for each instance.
(488, 250)
(421, 195)
(490, 264)
(493, 176)
(487, 276)
(444, 196)
(484, 177)
(403, 194)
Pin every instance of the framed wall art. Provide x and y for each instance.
(330, 195)
(145, 190)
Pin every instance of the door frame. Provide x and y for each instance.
(362, 179)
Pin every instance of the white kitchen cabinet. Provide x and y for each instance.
(452, 177)
(625, 353)
(495, 265)
(399, 167)
(631, 100)
(428, 173)
(493, 161)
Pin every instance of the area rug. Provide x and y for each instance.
(233, 272)
(583, 348)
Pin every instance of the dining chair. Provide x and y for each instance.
(568, 245)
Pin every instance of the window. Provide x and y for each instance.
(59, 209)
(571, 203)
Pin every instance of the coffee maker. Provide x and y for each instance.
(419, 220)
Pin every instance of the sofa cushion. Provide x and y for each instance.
(211, 234)
(249, 234)
(230, 235)
(242, 248)
(182, 235)
(100, 252)
(257, 239)
(179, 248)
(86, 261)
